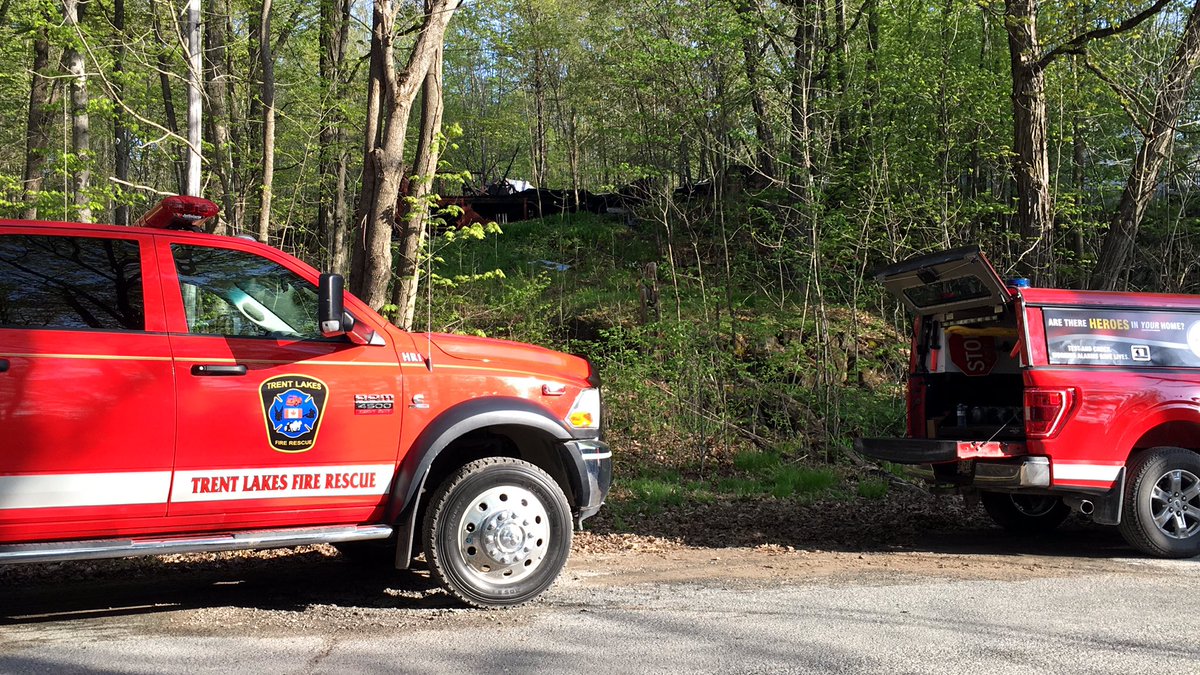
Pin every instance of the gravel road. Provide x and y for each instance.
(973, 599)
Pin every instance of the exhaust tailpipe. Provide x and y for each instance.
(1084, 506)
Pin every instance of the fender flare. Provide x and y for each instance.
(451, 424)
(1172, 412)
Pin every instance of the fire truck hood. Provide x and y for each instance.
(508, 354)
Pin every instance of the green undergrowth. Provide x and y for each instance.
(748, 475)
(743, 386)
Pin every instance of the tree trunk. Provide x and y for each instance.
(380, 43)
(81, 130)
(1031, 161)
(1160, 134)
(945, 117)
(267, 56)
(252, 114)
(331, 212)
(762, 124)
(216, 83)
(37, 128)
(195, 110)
(800, 99)
(839, 56)
(540, 150)
(1078, 185)
(981, 176)
(378, 206)
(408, 268)
(872, 94)
(574, 155)
(121, 135)
(340, 260)
(164, 81)
(235, 121)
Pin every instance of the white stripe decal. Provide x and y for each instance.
(280, 482)
(1096, 472)
(84, 489)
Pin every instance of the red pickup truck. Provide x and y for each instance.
(1045, 400)
(164, 390)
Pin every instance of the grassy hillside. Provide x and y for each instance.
(742, 389)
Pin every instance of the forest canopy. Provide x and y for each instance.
(1060, 136)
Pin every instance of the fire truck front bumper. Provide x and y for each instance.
(589, 465)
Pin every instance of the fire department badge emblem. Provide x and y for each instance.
(293, 406)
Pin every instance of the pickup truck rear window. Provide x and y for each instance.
(58, 282)
(1124, 337)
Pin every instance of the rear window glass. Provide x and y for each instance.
(946, 291)
(1124, 337)
(70, 283)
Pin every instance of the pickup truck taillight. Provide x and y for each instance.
(1045, 410)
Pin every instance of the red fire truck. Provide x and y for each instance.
(164, 390)
(1045, 400)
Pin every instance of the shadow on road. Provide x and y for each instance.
(898, 522)
(298, 579)
(281, 580)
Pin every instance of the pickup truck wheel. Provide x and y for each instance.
(1025, 514)
(497, 532)
(1162, 503)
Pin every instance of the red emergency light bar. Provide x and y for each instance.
(179, 212)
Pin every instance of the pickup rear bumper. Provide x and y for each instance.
(935, 450)
(1004, 475)
(998, 465)
(994, 466)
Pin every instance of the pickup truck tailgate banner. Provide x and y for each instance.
(1125, 337)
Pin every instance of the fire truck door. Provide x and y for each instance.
(86, 397)
(274, 419)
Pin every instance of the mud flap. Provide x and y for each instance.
(406, 531)
(1108, 506)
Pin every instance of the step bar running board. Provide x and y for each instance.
(226, 541)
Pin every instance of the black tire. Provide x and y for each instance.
(1025, 514)
(1163, 484)
(497, 532)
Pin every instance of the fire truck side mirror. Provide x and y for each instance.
(330, 311)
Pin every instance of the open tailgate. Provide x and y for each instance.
(949, 281)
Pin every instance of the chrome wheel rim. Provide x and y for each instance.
(504, 535)
(1175, 504)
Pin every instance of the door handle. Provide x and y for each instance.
(218, 371)
(3, 365)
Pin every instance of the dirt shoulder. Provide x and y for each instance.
(906, 534)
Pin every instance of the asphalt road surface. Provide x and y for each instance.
(977, 601)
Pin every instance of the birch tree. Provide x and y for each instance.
(81, 130)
